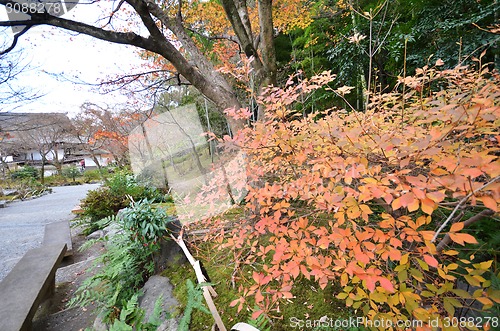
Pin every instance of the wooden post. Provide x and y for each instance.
(208, 291)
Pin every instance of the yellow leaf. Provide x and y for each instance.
(483, 265)
(448, 306)
(461, 293)
(445, 275)
(423, 265)
(396, 204)
(402, 276)
(494, 295)
(471, 280)
(393, 300)
(426, 294)
(404, 259)
(485, 300)
(413, 205)
(344, 279)
(462, 238)
(436, 196)
(378, 297)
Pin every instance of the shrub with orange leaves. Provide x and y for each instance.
(352, 197)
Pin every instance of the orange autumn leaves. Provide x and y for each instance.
(209, 19)
(350, 198)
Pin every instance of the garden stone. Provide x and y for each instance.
(155, 287)
(99, 324)
(169, 325)
(112, 229)
(119, 214)
(10, 192)
(96, 235)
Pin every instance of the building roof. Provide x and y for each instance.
(13, 126)
(18, 122)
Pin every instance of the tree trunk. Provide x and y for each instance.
(42, 172)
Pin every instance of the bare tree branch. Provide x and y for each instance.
(447, 238)
(460, 203)
(14, 41)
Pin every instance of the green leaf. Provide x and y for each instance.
(448, 306)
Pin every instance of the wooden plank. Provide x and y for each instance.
(77, 210)
(29, 283)
(59, 232)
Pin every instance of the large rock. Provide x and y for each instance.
(99, 324)
(170, 254)
(95, 235)
(156, 287)
(112, 229)
(10, 192)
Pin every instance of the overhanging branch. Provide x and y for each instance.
(129, 38)
(14, 41)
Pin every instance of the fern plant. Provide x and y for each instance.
(194, 301)
(123, 272)
(132, 317)
(262, 323)
(127, 262)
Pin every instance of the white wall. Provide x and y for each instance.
(36, 156)
(89, 162)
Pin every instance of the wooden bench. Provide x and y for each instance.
(59, 232)
(31, 281)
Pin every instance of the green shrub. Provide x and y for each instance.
(146, 223)
(25, 173)
(95, 175)
(71, 172)
(101, 203)
(124, 183)
(116, 194)
(132, 317)
(195, 301)
(55, 180)
(125, 266)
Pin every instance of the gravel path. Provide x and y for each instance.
(22, 222)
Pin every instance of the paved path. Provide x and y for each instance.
(22, 222)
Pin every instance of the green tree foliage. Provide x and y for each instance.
(400, 35)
